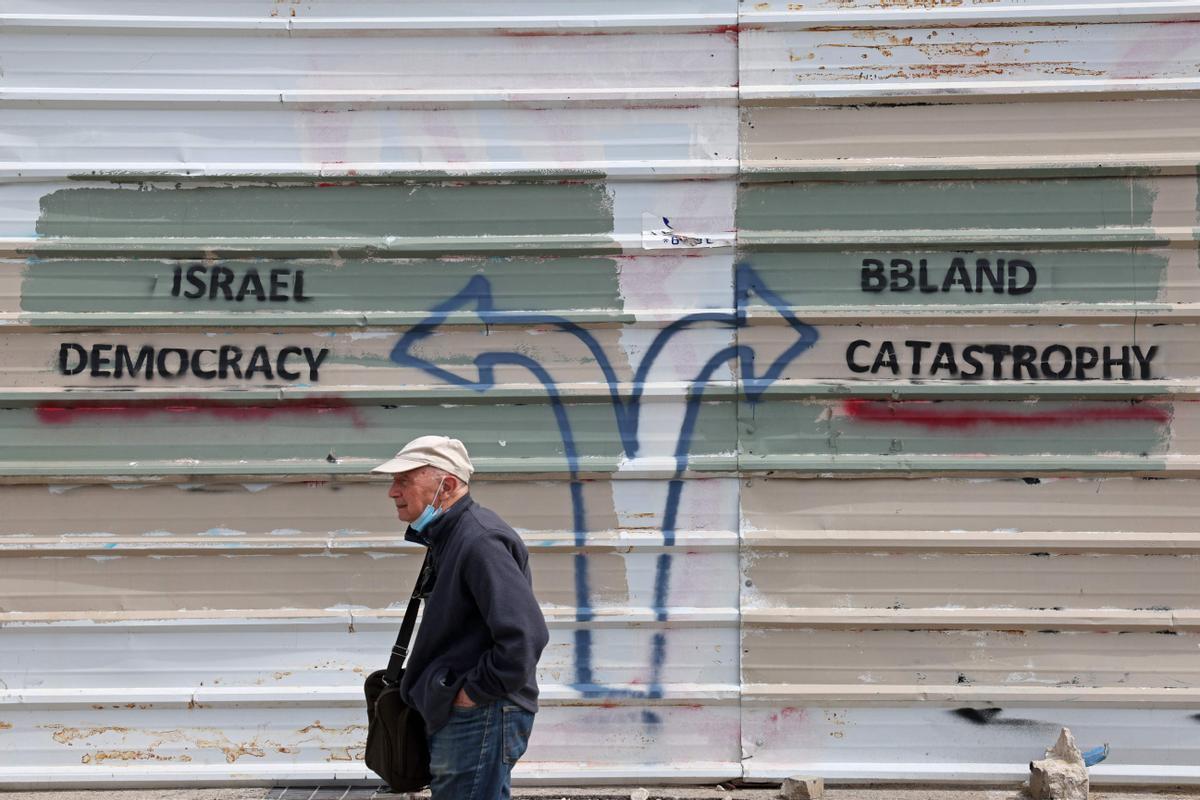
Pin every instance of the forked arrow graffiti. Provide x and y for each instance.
(477, 295)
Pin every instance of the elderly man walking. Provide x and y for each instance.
(471, 670)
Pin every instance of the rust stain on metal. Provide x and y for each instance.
(887, 37)
(337, 752)
(129, 755)
(967, 49)
(902, 4)
(64, 735)
(883, 49)
(346, 731)
(291, 11)
(926, 4)
(920, 3)
(345, 754)
(1071, 69)
(936, 71)
(232, 751)
(276, 676)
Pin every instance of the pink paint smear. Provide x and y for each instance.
(96, 411)
(936, 415)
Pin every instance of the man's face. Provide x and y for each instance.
(413, 490)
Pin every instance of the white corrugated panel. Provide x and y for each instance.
(201, 576)
(963, 198)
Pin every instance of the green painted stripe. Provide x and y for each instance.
(950, 205)
(183, 435)
(944, 239)
(423, 210)
(261, 319)
(771, 172)
(355, 292)
(1051, 313)
(806, 466)
(491, 174)
(118, 472)
(406, 395)
(599, 393)
(316, 247)
(1198, 188)
(833, 278)
(788, 430)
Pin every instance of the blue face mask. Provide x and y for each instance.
(430, 513)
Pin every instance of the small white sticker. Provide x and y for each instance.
(657, 234)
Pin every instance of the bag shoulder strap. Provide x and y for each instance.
(400, 648)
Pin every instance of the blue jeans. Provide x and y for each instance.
(472, 757)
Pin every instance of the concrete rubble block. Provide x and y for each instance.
(799, 787)
(1061, 775)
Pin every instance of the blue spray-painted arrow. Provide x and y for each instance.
(746, 281)
(478, 293)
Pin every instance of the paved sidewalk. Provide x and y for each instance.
(594, 793)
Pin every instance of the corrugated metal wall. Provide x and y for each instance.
(836, 360)
(988, 210)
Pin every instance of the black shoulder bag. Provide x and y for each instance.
(397, 748)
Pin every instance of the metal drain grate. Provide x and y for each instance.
(332, 792)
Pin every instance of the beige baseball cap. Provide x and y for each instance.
(431, 451)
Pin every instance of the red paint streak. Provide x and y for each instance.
(99, 411)
(932, 415)
(730, 31)
(533, 33)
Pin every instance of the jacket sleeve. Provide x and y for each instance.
(505, 599)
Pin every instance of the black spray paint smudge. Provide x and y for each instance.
(988, 716)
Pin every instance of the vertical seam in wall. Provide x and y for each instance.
(737, 394)
(1133, 257)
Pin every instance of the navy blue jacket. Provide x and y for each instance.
(481, 629)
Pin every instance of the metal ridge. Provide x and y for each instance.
(1038, 12)
(1113, 88)
(565, 24)
(411, 98)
